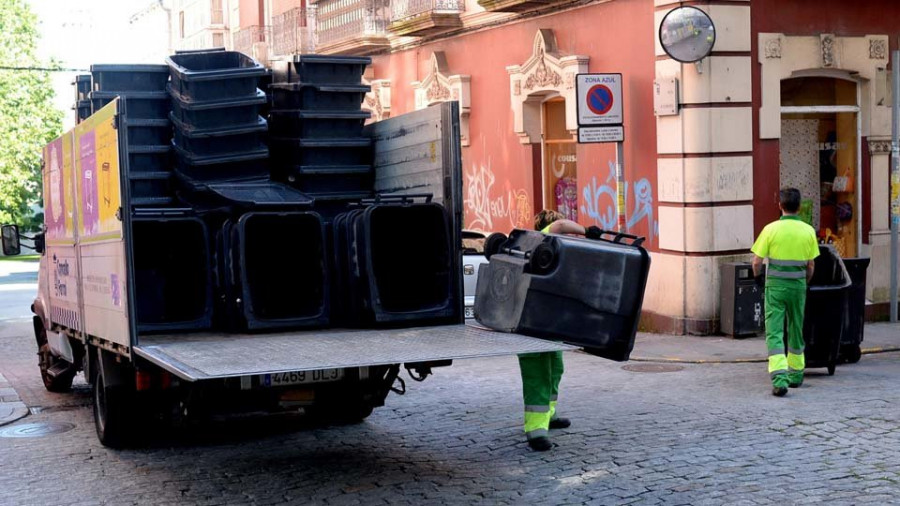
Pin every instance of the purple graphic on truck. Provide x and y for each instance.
(55, 191)
(90, 208)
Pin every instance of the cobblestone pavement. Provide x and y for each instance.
(708, 434)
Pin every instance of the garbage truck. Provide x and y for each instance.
(302, 280)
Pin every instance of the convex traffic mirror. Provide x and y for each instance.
(687, 34)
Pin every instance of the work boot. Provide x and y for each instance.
(560, 423)
(779, 391)
(540, 444)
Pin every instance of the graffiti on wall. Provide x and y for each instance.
(600, 203)
(493, 206)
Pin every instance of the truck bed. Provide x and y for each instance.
(194, 357)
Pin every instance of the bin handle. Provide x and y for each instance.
(619, 236)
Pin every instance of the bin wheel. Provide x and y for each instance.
(542, 258)
(831, 369)
(493, 243)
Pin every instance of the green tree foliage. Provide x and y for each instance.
(28, 119)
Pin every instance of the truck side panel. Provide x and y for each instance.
(101, 246)
(61, 294)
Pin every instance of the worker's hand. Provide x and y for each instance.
(593, 232)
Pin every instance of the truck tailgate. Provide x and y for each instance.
(208, 356)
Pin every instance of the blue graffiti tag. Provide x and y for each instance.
(600, 203)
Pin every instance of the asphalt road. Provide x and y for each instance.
(18, 286)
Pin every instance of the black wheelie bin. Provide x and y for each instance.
(826, 311)
(586, 292)
(852, 338)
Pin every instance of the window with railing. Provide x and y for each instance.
(289, 33)
(404, 9)
(338, 20)
(244, 39)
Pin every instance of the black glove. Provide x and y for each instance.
(593, 232)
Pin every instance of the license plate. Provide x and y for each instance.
(300, 377)
(470, 312)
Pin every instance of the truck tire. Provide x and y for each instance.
(111, 410)
(46, 360)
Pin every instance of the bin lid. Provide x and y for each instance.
(328, 88)
(306, 114)
(260, 125)
(112, 67)
(199, 105)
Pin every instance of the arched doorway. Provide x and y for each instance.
(559, 167)
(820, 154)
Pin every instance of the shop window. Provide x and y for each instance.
(819, 155)
(560, 163)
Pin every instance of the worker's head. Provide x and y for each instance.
(789, 200)
(545, 218)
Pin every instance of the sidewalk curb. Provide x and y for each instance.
(19, 411)
(865, 351)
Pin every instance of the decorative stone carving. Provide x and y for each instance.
(827, 41)
(878, 49)
(879, 147)
(773, 48)
(540, 78)
(377, 101)
(440, 86)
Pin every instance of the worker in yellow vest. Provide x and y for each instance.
(791, 247)
(542, 372)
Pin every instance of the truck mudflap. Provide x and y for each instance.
(195, 357)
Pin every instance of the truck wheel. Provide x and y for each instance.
(56, 373)
(852, 354)
(110, 413)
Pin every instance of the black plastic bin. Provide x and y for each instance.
(220, 141)
(389, 276)
(229, 112)
(82, 110)
(251, 165)
(316, 124)
(356, 180)
(854, 328)
(149, 132)
(214, 75)
(318, 97)
(321, 69)
(141, 104)
(82, 85)
(276, 286)
(150, 158)
(288, 152)
(827, 300)
(151, 188)
(129, 77)
(581, 291)
(172, 274)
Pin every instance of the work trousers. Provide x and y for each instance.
(541, 373)
(784, 310)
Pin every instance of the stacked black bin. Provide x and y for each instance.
(219, 134)
(82, 105)
(142, 89)
(315, 125)
(380, 279)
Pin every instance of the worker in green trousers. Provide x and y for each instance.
(541, 372)
(791, 248)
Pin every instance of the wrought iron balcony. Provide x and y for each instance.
(290, 34)
(252, 41)
(517, 5)
(352, 26)
(425, 17)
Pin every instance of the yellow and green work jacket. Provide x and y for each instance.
(789, 244)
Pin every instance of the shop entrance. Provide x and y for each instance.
(820, 156)
(558, 185)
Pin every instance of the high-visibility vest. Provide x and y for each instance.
(789, 244)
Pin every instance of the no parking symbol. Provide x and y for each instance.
(599, 99)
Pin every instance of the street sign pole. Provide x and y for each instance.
(895, 178)
(620, 185)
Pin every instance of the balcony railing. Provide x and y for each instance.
(289, 33)
(352, 26)
(245, 38)
(405, 9)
